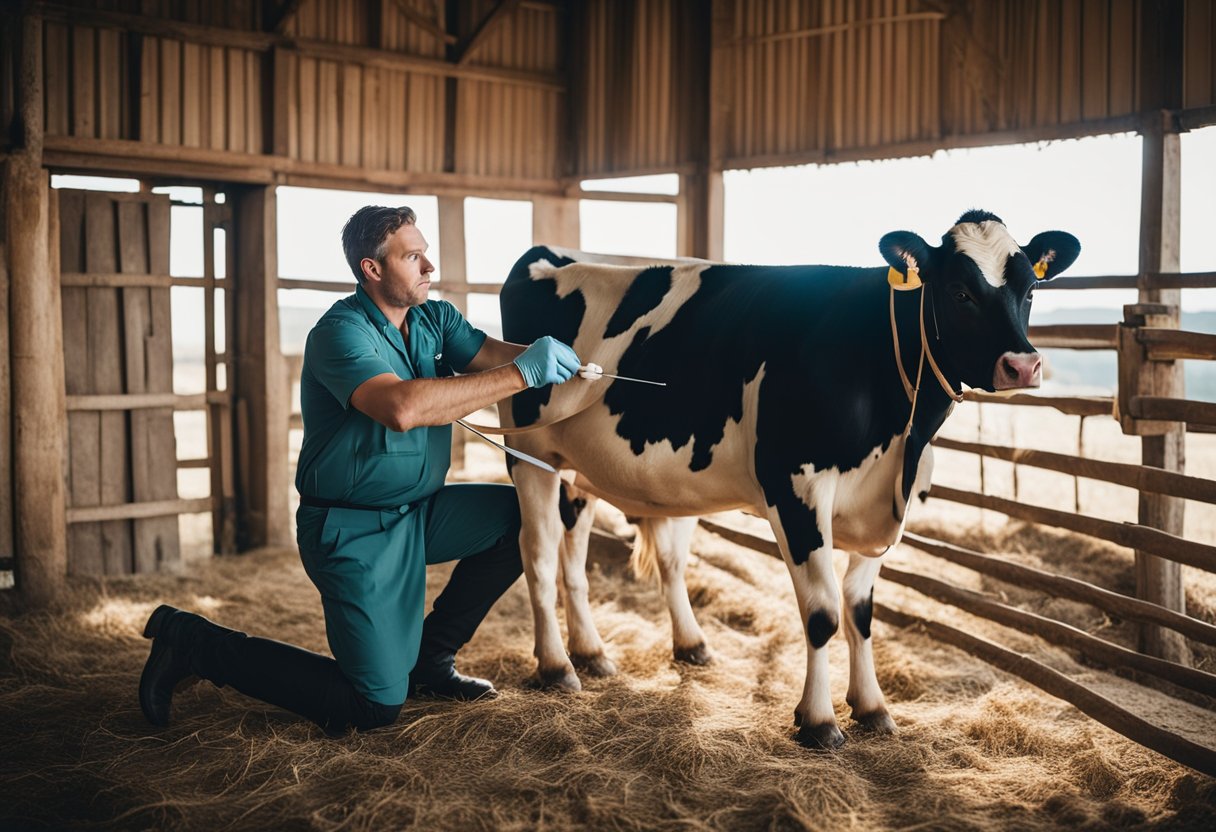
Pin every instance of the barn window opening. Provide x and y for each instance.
(497, 232)
(645, 225)
(658, 183)
(95, 183)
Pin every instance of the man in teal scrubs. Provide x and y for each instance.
(378, 394)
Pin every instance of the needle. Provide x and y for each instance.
(594, 371)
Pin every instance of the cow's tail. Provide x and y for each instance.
(645, 557)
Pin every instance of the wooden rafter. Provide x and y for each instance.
(423, 22)
(284, 15)
(488, 24)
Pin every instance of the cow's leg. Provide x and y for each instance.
(805, 537)
(539, 538)
(864, 696)
(586, 646)
(663, 544)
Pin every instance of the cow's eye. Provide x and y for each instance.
(962, 297)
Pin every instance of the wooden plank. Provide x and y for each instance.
(35, 339)
(123, 281)
(149, 91)
(191, 102)
(1140, 477)
(84, 77)
(1131, 535)
(235, 112)
(110, 84)
(1174, 344)
(1109, 713)
(308, 109)
(217, 106)
(1054, 632)
(327, 112)
(1198, 72)
(106, 372)
(254, 112)
(1122, 84)
(1095, 76)
(1075, 336)
(143, 401)
(58, 64)
(1165, 409)
(6, 458)
(351, 115)
(1061, 586)
(1072, 405)
(1072, 40)
(155, 509)
(170, 92)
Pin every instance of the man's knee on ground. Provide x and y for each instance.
(371, 715)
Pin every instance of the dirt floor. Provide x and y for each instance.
(660, 746)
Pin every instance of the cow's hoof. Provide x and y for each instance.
(698, 654)
(823, 737)
(562, 678)
(597, 665)
(875, 722)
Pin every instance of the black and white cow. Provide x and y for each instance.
(783, 397)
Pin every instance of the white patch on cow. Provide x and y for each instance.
(541, 270)
(660, 479)
(989, 244)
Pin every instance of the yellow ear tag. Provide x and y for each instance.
(902, 282)
(1040, 269)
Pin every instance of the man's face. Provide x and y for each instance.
(405, 272)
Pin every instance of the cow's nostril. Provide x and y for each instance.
(1009, 368)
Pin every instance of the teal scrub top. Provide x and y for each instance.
(347, 456)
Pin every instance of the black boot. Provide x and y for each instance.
(477, 582)
(305, 683)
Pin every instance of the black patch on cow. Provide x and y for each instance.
(924, 496)
(643, 295)
(820, 627)
(569, 508)
(863, 614)
(531, 309)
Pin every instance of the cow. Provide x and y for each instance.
(804, 394)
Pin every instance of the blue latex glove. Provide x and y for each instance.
(547, 361)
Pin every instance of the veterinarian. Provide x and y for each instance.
(378, 394)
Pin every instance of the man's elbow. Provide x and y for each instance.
(402, 418)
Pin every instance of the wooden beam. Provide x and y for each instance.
(821, 31)
(702, 207)
(493, 19)
(1106, 711)
(1133, 536)
(1072, 405)
(129, 281)
(139, 511)
(1176, 345)
(36, 343)
(452, 263)
(422, 22)
(284, 16)
(1075, 336)
(149, 159)
(261, 405)
(1054, 632)
(1004, 568)
(555, 222)
(1159, 579)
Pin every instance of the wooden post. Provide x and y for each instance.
(452, 256)
(702, 205)
(219, 417)
(1159, 580)
(555, 221)
(36, 342)
(260, 389)
(6, 444)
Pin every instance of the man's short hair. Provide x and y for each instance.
(367, 231)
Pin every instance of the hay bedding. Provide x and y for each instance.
(659, 747)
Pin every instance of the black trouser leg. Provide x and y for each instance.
(297, 680)
(476, 583)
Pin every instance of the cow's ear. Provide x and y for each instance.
(902, 249)
(1051, 252)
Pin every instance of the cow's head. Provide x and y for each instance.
(980, 283)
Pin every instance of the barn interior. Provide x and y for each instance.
(1046, 631)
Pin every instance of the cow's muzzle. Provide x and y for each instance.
(1018, 369)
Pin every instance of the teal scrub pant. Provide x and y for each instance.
(370, 568)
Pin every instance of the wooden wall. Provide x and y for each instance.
(821, 80)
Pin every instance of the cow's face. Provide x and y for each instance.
(979, 284)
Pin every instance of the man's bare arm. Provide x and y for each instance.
(493, 353)
(402, 404)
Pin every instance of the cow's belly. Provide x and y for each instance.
(660, 481)
(869, 508)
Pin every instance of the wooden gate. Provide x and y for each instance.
(118, 346)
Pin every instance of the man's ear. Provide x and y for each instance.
(902, 249)
(371, 269)
(1051, 252)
